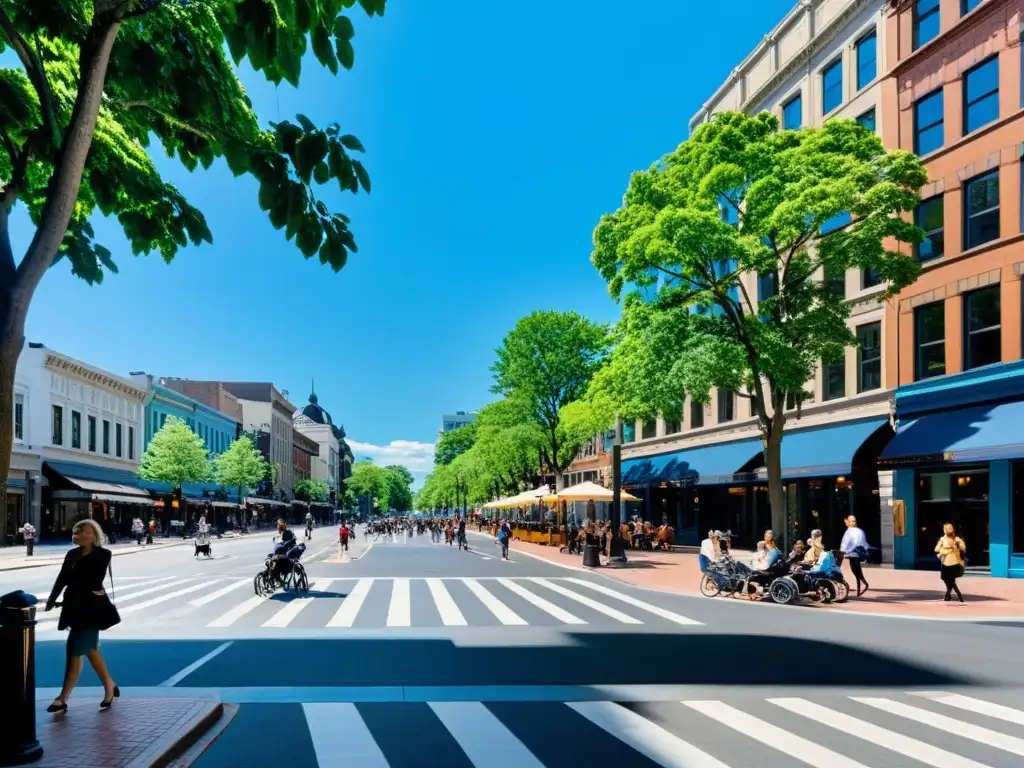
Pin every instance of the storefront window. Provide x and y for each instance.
(58, 425)
(960, 498)
(696, 415)
(1018, 508)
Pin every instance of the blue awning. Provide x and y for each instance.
(707, 465)
(982, 433)
(825, 451)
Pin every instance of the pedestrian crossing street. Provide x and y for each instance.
(900, 730)
(370, 603)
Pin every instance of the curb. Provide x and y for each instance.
(202, 742)
(163, 757)
(121, 553)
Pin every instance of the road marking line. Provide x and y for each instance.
(997, 711)
(350, 606)
(400, 609)
(205, 599)
(482, 736)
(647, 738)
(229, 618)
(446, 607)
(293, 607)
(794, 746)
(365, 552)
(593, 604)
(165, 598)
(501, 612)
(173, 680)
(545, 605)
(948, 724)
(127, 594)
(341, 737)
(895, 742)
(669, 615)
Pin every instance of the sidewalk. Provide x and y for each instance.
(134, 733)
(908, 593)
(14, 558)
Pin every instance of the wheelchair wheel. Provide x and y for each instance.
(710, 587)
(259, 584)
(784, 590)
(301, 581)
(826, 590)
(842, 591)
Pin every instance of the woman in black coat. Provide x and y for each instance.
(85, 608)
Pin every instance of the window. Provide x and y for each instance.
(966, 6)
(767, 285)
(117, 440)
(649, 430)
(58, 426)
(867, 120)
(106, 436)
(696, 415)
(869, 357)
(981, 210)
(869, 278)
(835, 281)
(76, 429)
(926, 21)
(930, 217)
(672, 427)
(19, 417)
(982, 337)
(867, 59)
(981, 95)
(726, 405)
(1018, 508)
(92, 433)
(831, 86)
(629, 432)
(131, 443)
(929, 123)
(838, 221)
(833, 380)
(730, 214)
(793, 113)
(930, 340)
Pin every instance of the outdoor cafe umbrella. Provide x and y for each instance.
(588, 491)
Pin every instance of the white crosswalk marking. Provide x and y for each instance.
(593, 604)
(120, 597)
(206, 599)
(351, 605)
(970, 704)
(446, 607)
(340, 737)
(794, 746)
(904, 745)
(540, 602)
(668, 615)
(948, 724)
(482, 736)
(230, 617)
(501, 612)
(647, 738)
(164, 598)
(291, 609)
(400, 609)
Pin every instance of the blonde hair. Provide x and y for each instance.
(96, 529)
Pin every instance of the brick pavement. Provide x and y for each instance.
(904, 592)
(134, 733)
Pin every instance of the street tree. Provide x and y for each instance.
(544, 363)
(97, 82)
(796, 209)
(508, 446)
(175, 455)
(454, 443)
(241, 467)
(399, 481)
(310, 489)
(369, 481)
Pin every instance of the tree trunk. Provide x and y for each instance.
(776, 492)
(12, 339)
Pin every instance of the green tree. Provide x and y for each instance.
(241, 466)
(545, 363)
(98, 82)
(508, 447)
(399, 481)
(369, 481)
(741, 197)
(310, 489)
(175, 455)
(454, 443)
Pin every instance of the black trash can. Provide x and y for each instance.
(591, 556)
(19, 745)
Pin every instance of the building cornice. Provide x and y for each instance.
(963, 24)
(66, 366)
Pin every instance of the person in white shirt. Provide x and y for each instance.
(710, 551)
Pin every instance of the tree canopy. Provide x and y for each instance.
(241, 466)
(390, 487)
(453, 443)
(310, 489)
(744, 234)
(175, 455)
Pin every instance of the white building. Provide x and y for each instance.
(315, 423)
(24, 486)
(87, 426)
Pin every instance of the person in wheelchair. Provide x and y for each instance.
(280, 561)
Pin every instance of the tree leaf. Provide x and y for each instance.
(351, 142)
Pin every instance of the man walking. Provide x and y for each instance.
(855, 550)
(343, 534)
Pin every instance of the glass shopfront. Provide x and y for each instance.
(961, 498)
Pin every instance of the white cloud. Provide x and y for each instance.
(417, 457)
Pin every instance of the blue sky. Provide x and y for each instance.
(496, 134)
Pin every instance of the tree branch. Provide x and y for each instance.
(7, 266)
(36, 75)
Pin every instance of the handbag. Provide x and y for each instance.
(101, 610)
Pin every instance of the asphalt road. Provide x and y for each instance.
(471, 660)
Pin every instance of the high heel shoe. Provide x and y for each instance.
(105, 704)
(57, 708)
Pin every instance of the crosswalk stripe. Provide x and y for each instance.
(669, 615)
(501, 612)
(341, 738)
(351, 605)
(895, 742)
(582, 599)
(987, 708)
(400, 609)
(205, 599)
(129, 595)
(294, 607)
(482, 736)
(647, 738)
(948, 724)
(796, 747)
(230, 617)
(446, 607)
(540, 602)
(164, 598)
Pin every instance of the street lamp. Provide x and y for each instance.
(616, 550)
